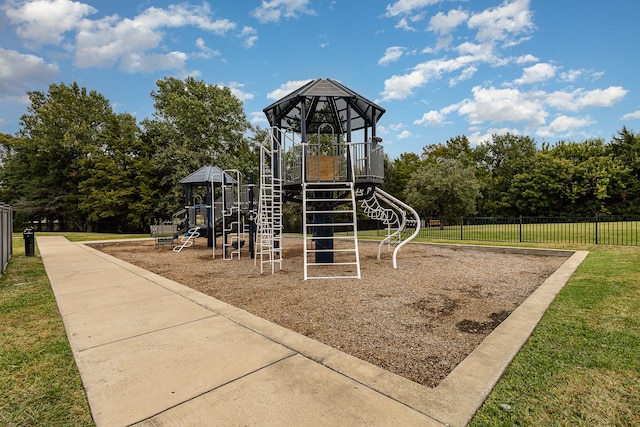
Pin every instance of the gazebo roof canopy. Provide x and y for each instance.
(208, 174)
(325, 101)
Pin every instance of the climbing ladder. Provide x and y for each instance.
(330, 207)
(269, 217)
(402, 221)
(232, 227)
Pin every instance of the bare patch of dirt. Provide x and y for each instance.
(418, 321)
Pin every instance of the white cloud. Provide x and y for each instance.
(405, 134)
(444, 24)
(536, 73)
(524, 59)
(392, 54)
(46, 21)
(581, 98)
(466, 74)
(17, 70)
(632, 116)
(403, 7)
(286, 88)
(400, 87)
(206, 52)
(503, 105)
(236, 90)
(571, 75)
(431, 118)
(112, 40)
(403, 24)
(273, 10)
(502, 22)
(250, 36)
(563, 125)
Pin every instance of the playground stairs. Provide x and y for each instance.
(269, 217)
(188, 239)
(330, 230)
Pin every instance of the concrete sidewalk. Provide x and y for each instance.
(153, 352)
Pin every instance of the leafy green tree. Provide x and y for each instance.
(498, 161)
(443, 189)
(569, 179)
(398, 173)
(56, 134)
(457, 148)
(116, 186)
(625, 149)
(547, 189)
(194, 124)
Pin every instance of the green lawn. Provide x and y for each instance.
(39, 381)
(580, 367)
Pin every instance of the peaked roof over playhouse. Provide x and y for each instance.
(324, 101)
(208, 174)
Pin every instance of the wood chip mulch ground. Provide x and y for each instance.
(418, 321)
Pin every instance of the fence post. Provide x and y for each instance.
(520, 228)
(596, 229)
(461, 227)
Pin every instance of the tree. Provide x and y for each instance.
(116, 185)
(59, 129)
(498, 162)
(569, 179)
(398, 173)
(195, 124)
(548, 189)
(625, 149)
(457, 148)
(444, 189)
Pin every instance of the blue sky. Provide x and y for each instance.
(551, 70)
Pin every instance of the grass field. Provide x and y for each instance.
(39, 381)
(580, 367)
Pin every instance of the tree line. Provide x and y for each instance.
(510, 176)
(76, 162)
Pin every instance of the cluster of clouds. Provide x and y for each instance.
(544, 98)
(140, 44)
(465, 42)
(133, 44)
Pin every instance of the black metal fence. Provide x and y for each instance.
(598, 230)
(6, 238)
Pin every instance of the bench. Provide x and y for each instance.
(164, 234)
(434, 223)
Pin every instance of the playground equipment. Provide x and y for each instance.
(216, 204)
(309, 156)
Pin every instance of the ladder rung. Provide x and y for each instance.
(330, 238)
(331, 224)
(329, 264)
(331, 250)
(331, 211)
(322, 184)
(310, 200)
